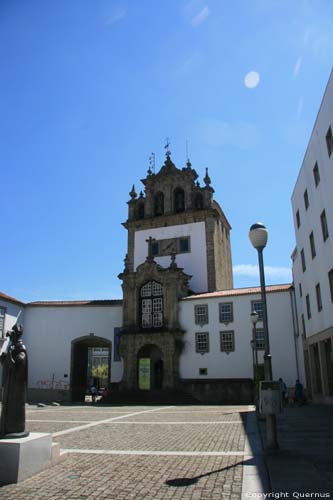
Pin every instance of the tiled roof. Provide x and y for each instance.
(57, 303)
(239, 291)
(11, 299)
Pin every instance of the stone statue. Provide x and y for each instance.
(15, 377)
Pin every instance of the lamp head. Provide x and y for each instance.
(258, 235)
(254, 317)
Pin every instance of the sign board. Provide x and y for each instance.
(144, 374)
(269, 398)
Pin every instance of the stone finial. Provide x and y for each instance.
(188, 163)
(132, 193)
(207, 180)
(126, 262)
(141, 194)
(173, 263)
(150, 241)
(167, 148)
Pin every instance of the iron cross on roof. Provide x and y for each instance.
(166, 147)
(150, 242)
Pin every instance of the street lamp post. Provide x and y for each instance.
(254, 319)
(258, 236)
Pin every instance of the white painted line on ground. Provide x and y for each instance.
(173, 423)
(105, 421)
(158, 453)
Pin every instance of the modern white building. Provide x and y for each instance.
(181, 325)
(312, 205)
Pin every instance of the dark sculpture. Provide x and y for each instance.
(15, 377)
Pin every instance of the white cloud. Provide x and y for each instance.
(201, 17)
(217, 133)
(252, 79)
(297, 67)
(252, 271)
(115, 16)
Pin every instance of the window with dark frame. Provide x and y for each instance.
(201, 314)
(303, 260)
(329, 141)
(202, 342)
(298, 219)
(306, 199)
(203, 371)
(155, 249)
(151, 295)
(312, 245)
(184, 245)
(308, 306)
(257, 306)
(316, 174)
(226, 312)
(260, 339)
(2, 321)
(227, 341)
(330, 281)
(303, 326)
(324, 226)
(318, 297)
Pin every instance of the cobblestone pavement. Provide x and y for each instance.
(140, 453)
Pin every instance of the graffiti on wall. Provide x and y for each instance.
(53, 383)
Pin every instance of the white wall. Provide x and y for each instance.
(238, 364)
(194, 262)
(49, 332)
(320, 198)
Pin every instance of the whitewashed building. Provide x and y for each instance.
(312, 204)
(181, 325)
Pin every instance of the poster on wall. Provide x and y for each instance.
(144, 374)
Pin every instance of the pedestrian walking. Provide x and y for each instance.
(298, 395)
(93, 392)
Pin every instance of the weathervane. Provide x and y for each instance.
(167, 152)
(151, 169)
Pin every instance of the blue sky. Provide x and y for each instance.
(90, 89)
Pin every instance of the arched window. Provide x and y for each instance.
(159, 203)
(198, 201)
(141, 210)
(179, 200)
(151, 296)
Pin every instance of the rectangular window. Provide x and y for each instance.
(260, 339)
(257, 306)
(227, 341)
(308, 306)
(324, 226)
(203, 371)
(312, 245)
(303, 326)
(318, 296)
(2, 321)
(201, 314)
(306, 199)
(202, 342)
(303, 260)
(316, 174)
(184, 245)
(298, 219)
(300, 289)
(226, 312)
(329, 141)
(330, 281)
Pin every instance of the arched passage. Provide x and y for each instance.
(152, 353)
(81, 360)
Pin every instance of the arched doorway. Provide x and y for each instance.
(86, 352)
(150, 371)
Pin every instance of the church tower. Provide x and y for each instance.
(178, 243)
(183, 218)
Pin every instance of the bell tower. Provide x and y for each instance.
(183, 219)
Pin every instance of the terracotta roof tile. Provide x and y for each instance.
(239, 291)
(57, 303)
(11, 299)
